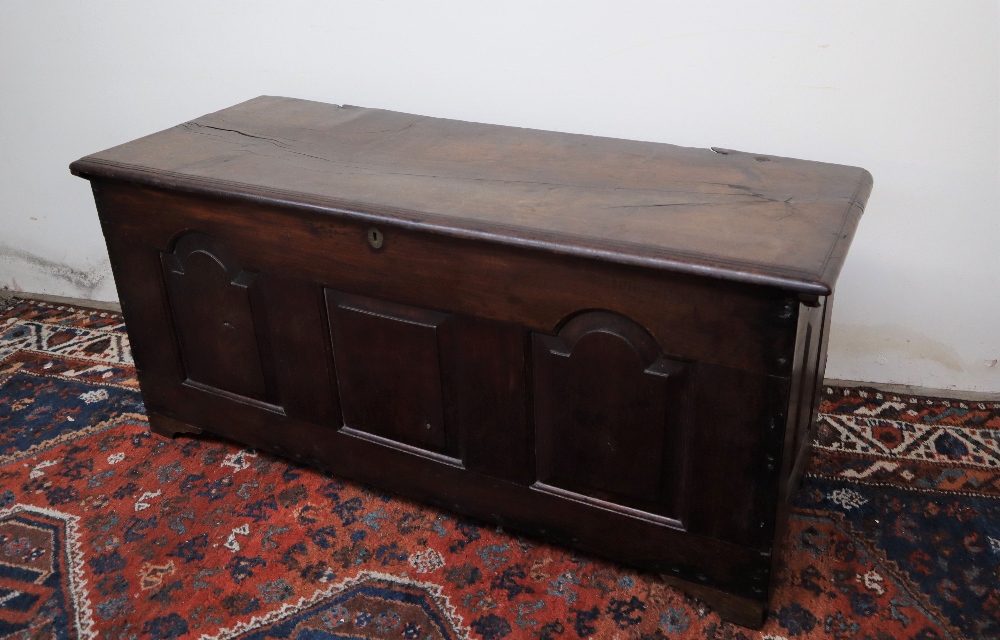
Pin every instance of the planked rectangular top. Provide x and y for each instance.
(729, 214)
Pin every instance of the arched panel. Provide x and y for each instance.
(210, 304)
(609, 413)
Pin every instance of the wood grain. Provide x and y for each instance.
(742, 216)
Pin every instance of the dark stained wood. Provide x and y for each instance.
(169, 427)
(736, 454)
(609, 413)
(642, 543)
(810, 362)
(748, 217)
(744, 611)
(613, 345)
(814, 335)
(491, 369)
(388, 360)
(210, 303)
(298, 340)
(698, 319)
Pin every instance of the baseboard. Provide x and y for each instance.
(75, 302)
(913, 390)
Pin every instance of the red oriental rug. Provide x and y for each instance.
(109, 531)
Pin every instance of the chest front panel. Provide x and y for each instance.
(596, 397)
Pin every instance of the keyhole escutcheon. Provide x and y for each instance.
(375, 238)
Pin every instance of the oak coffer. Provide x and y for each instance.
(615, 345)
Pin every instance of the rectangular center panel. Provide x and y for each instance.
(393, 365)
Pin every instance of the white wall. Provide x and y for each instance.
(910, 91)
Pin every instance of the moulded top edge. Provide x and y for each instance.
(739, 216)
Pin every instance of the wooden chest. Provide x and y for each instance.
(614, 345)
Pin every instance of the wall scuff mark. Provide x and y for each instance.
(86, 281)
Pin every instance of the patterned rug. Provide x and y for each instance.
(109, 531)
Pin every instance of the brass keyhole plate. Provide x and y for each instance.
(375, 238)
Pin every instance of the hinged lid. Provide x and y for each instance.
(727, 214)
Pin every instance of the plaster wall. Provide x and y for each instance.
(908, 90)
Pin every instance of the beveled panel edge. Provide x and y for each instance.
(386, 309)
(620, 509)
(235, 397)
(402, 446)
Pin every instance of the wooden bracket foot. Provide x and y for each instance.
(169, 427)
(731, 608)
